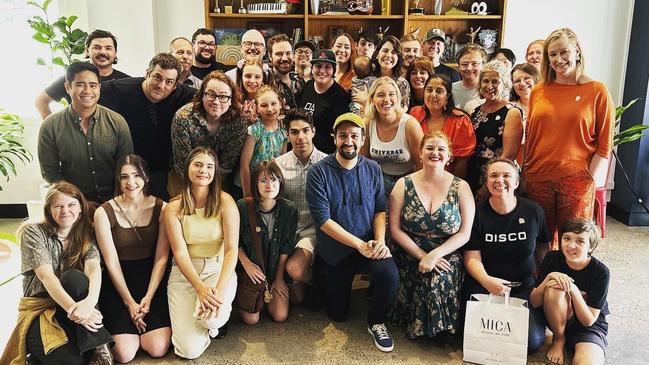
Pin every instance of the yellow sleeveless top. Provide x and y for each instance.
(204, 236)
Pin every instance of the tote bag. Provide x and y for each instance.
(495, 330)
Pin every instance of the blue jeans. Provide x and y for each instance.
(338, 285)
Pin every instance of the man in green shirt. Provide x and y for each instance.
(82, 143)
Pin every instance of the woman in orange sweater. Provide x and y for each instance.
(570, 133)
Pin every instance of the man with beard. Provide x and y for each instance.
(287, 81)
(433, 48)
(304, 51)
(82, 143)
(101, 49)
(181, 49)
(345, 196)
(205, 54)
(411, 49)
(253, 47)
(148, 104)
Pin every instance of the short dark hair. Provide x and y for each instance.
(370, 36)
(140, 165)
(101, 34)
(202, 31)
(450, 103)
(528, 69)
(580, 225)
(78, 67)
(166, 62)
(281, 37)
(508, 53)
(270, 168)
(298, 114)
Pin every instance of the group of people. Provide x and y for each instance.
(281, 172)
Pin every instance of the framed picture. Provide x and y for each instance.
(268, 29)
(334, 31)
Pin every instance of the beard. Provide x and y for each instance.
(199, 57)
(348, 155)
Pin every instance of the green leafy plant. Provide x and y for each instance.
(64, 41)
(11, 146)
(630, 134)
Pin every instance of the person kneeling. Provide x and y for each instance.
(273, 237)
(572, 291)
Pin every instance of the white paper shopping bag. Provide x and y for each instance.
(495, 330)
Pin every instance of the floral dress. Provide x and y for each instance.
(268, 144)
(428, 304)
(489, 128)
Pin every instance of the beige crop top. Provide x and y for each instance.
(204, 236)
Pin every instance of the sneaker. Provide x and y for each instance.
(102, 356)
(382, 338)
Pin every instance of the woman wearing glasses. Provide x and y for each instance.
(212, 119)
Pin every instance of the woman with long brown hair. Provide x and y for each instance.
(202, 225)
(344, 48)
(135, 248)
(58, 322)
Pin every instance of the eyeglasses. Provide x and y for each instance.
(306, 52)
(248, 44)
(203, 44)
(222, 98)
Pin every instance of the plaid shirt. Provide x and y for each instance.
(295, 183)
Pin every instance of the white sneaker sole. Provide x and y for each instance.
(384, 349)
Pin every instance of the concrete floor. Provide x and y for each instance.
(310, 338)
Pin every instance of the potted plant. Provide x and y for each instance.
(64, 42)
(628, 135)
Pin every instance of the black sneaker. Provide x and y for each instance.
(382, 338)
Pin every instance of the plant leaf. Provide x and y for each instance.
(40, 61)
(46, 4)
(58, 61)
(39, 37)
(71, 20)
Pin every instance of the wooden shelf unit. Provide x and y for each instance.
(399, 21)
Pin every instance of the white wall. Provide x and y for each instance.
(603, 28)
(176, 21)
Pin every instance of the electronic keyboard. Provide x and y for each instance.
(267, 8)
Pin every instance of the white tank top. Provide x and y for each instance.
(393, 156)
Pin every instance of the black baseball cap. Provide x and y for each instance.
(324, 55)
(307, 44)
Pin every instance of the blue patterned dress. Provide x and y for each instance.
(428, 304)
(268, 144)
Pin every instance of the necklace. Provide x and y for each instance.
(129, 218)
(62, 238)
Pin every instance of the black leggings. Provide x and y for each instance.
(80, 340)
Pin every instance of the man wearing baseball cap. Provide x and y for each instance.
(304, 51)
(324, 98)
(433, 48)
(346, 199)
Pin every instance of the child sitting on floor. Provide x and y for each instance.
(572, 290)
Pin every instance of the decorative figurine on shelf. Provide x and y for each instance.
(242, 9)
(360, 7)
(455, 9)
(487, 38)
(438, 7)
(386, 6)
(415, 32)
(217, 9)
(472, 34)
(416, 10)
(382, 32)
(484, 7)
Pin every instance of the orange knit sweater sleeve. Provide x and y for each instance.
(567, 125)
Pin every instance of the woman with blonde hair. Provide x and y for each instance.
(569, 133)
(202, 225)
(393, 136)
(57, 319)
